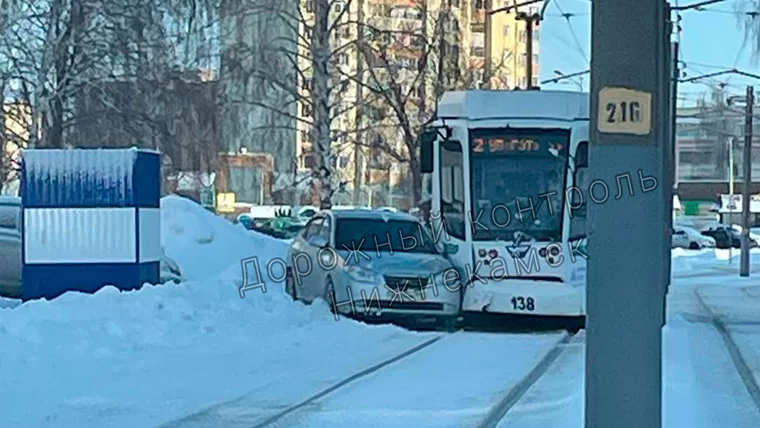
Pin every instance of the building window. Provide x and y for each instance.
(523, 59)
(305, 110)
(523, 36)
(480, 4)
(536, 35)
(506, 31)
(535, 58)
(535, 81)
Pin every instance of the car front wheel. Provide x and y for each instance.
(290, 284)
(694, 246)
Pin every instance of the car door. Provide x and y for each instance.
(301, 259)
(312, 283)
(323, 260)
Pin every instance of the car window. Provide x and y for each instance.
(9, 217)
(375, 235)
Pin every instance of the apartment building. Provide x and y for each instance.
(509, 42)
(404, 29)
(397, 22)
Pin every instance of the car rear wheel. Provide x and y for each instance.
(694, 246)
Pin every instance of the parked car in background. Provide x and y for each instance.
(11, 262)
(726, 236)
(688, 237)
(10, 247)
(382, 276)
(753, 235)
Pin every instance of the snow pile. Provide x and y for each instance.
(205, 245)
(711, 261)
(144, 357)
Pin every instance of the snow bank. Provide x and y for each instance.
(206, 245)
(144, 357)
(710, 261)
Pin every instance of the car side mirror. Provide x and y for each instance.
(426, 150)
(581, 155)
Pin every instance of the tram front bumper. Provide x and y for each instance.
(525, 297)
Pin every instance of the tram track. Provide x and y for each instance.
(508, 380)
(487, 416)
(517, 392)
(348, 380)
(738, 360)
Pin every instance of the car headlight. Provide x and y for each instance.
(360, 274)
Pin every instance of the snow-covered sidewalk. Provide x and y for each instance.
(197, 355)
(141, 358)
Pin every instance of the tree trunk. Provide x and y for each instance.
(320, 97)
(416, 172)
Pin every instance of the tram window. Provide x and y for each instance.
(452, 188)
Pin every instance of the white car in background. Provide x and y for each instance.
(688, 237)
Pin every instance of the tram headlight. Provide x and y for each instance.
(551, 250)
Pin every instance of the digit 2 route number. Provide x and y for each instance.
(624, 111)
(523, 303)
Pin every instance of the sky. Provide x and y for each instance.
(711, 39)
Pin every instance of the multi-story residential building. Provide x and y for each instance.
(509, 42)
(403, 31)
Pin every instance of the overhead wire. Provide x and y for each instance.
(567, 17)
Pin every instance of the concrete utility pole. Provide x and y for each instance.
(488, 36)
(669, 89)
(748, 131)
(625, 294)
(530, 21)
(488, 45)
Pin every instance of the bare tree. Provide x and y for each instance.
(409, 67)
(298, 67)
(747, 12)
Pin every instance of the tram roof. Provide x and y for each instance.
(501, 104)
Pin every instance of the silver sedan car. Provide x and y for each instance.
(367, 263)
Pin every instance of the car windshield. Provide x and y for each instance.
(512, 174)
(374, 235)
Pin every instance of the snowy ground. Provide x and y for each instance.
(197, 355)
